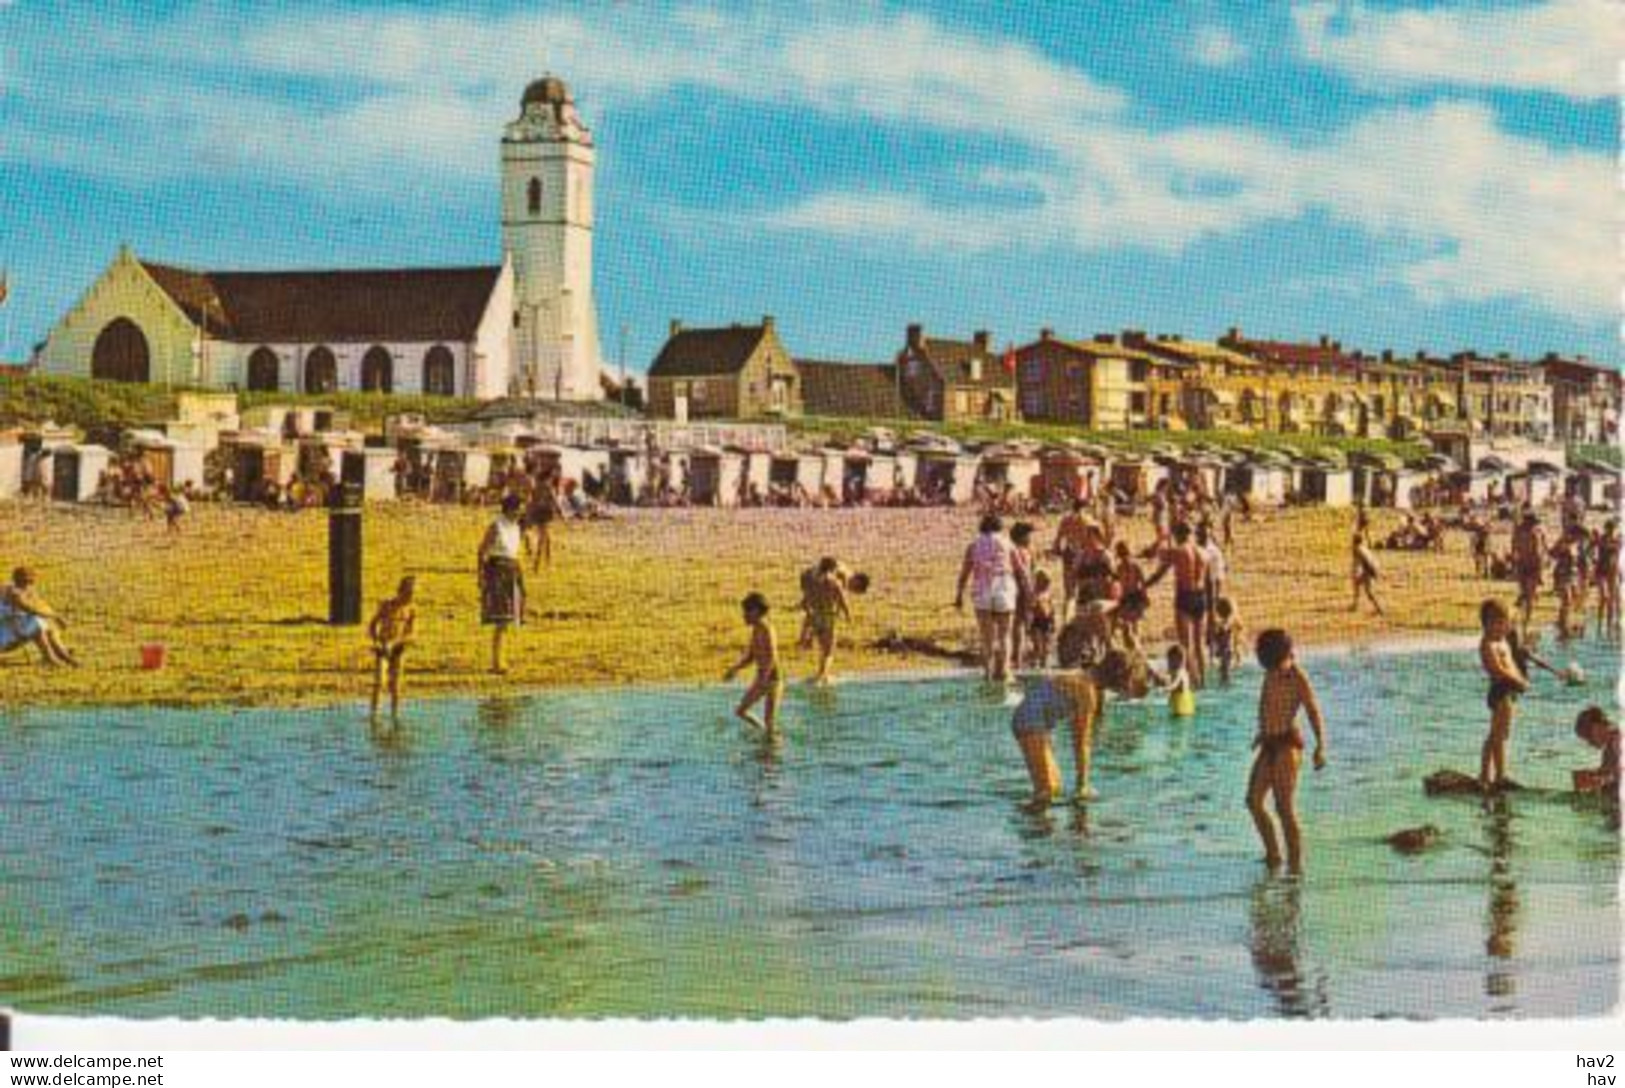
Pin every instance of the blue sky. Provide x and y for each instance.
(1394, 175)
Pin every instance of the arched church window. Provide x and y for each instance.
(121, 353)
(377, 371)
(263, 370)
(439, 372)
(321, 371)
(535, 196)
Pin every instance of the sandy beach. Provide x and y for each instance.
(239, 598)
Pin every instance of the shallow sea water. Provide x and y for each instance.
(633, 853)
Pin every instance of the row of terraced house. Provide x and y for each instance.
(1132, 380)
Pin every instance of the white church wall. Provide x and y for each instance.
(123, 290)
(407, 363)
(492, 374)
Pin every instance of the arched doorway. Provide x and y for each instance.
(439, 372)
(321, 371)
(263, 371)
(121, 353)
(377, 371)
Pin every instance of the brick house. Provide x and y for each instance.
(850, 390)
(1585, 399)
(737, 372)
(956, 380)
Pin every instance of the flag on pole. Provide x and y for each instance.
(1010, 358)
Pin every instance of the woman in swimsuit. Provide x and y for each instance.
(989, 571)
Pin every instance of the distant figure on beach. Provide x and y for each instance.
(989, 571)
(1363, 564)
(1605, 564)
(1041, 621)
(541, 514)
(1024, 566)
(1285, 691)
(1184, 558)
(1594, 727)
(824, 603)
(26, 619)
(1069, 542)
(1078, 698)
(1507, 682)
(176, 507)
(502, 578)
(767, 687)
(1528, 563)
(391, 632)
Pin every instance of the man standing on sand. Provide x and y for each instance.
(1528, 559)
(1184, 558)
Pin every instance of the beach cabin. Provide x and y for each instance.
(628, 475)
(883, 479)
(11, 467)
(256, 464)
(171, 463)
(77, 472)
(372, 469)
(1060, 478)
(1019, 470)
(1135, 477)
(943, 477)
(1326, 485)
(1594, 485)
(1259, 482)
(458, 471)
(714, 476)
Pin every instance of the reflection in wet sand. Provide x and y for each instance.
(1276, 910)
(1504, 907)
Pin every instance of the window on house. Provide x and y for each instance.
(534, 196)
(1137, 372)
(699, 392)
(1136, 403)
(1032, 403)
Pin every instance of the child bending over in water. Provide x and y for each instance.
(1224, 636)
(763, 652)
(1593, 727)
(1286, 691)
(26, 618)
(1507, 682)
(825, 603)
(1076, 697)
(392, 630)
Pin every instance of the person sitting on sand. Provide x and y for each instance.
(824, 603)
(1286, 690)
(1507, 682)
(767, 687)
(1077, 697)
(391, 631)
(26, 619)
(1224, 634)
(1594, 727)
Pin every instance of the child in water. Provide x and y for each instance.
(1041, 622)
(1224, 636)
(1507, 682)
(392, 630)
(763, 652)
(1285, 691)
(1593, 727)
(824, 603)
(1181, 697)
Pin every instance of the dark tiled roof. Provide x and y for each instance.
(1290, 354)
(700, 353)
(851, 390)
(952, 359)
(311, 307)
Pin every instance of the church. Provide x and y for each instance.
(527, 327)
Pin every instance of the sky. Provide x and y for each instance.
(1394, 175)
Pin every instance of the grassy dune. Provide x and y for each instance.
(239, 597)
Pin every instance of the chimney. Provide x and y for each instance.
(1105, 338)
(1325, 341)
(675, 328)
(1231, 338)
(1387, 355)
(1046, 333)
(1337, 345)
(767, 322)
(916, 335)
(981, 338)
(1134, 338)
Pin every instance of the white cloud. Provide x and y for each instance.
(1570, 48)
(1049, 157)
(1215, 47)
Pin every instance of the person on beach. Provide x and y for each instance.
(1092, 569)
(391, 632)
(1023, 566)
(1528, 563)
(1507, 683)
(1103, 626)
(989, 571)
(1605, 562)
(824, 603)
(502, 578)
(1190, 597)
(1076, 696)
(1363, 564)
(1213, 558)
(176, 507)
(26, 619)
(1594, 727)
(1069, 542)
(543, 511)
(1225, 633)
(1285, 692)
(1041, 622)
(1565, 573)
(1478, 530)
(767, 687)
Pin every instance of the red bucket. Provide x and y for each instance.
(152, 657)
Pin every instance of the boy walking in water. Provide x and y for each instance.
(391, 631)
(768, 686)
(1507, 682)
(1286, 691)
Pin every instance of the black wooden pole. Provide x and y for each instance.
(344, 556)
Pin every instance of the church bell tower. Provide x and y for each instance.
(547, 216)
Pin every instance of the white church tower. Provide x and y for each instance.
(547, 166)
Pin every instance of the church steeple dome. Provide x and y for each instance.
(550, 90)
